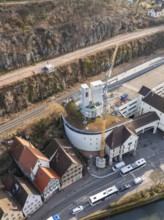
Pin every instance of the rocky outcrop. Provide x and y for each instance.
(14, 98)
(33, 32)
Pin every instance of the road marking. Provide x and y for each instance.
(132, 174)
(151, 163)
(119, 182)
(82, 199)
(87, 205)
(67, 208)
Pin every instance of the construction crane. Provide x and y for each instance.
(108, 75)
(100, 161)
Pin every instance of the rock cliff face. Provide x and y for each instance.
(15, 97)
(33, 32)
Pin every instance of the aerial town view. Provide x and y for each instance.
(82, 109)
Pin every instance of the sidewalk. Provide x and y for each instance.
(98, 172)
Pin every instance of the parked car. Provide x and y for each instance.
(138, 180)
(54, 217)
(124, 187)
(77, 210)
(48, 68)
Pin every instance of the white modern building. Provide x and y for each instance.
(145, 103)
(91, 105)
(88, 141)
(124, 139)
(149, 101)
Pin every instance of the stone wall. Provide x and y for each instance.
(18, 96)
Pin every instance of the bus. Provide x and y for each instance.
(131, 167)
(101, 196)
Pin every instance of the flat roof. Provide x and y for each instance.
(97, 83)
(85, 86)
(150, 79)
(132, 93)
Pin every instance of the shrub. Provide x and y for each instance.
(152, 193)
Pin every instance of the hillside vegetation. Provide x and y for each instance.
(31, 32)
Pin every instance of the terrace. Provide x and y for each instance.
(76, 119)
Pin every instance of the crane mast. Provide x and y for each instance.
(100, 160)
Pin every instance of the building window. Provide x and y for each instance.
(132, 107)
(124, 112)
(123, 108)
(133, 103)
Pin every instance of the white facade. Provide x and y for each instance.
(97, 91)
(73, 174)
(129, 109)
(91, 105)
(89, 141)
(52, 186)
(33, 202)
(84, 91)
(159, 90)
(144, 108)
(129, 145)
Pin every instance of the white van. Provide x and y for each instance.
(48, 68)
(77, 210)
(138, 180)
(118, 166)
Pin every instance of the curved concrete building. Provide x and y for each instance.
(87, 141)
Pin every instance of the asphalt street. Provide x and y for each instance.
(150, 147)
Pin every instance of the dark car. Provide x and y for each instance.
(124, 187)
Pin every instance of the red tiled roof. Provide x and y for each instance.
(26, 154)
(43, 177)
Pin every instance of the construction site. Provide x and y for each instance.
(108, 108)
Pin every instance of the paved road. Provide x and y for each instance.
(25, 72)
(78, 193)
(8, 126)
(21, 2)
